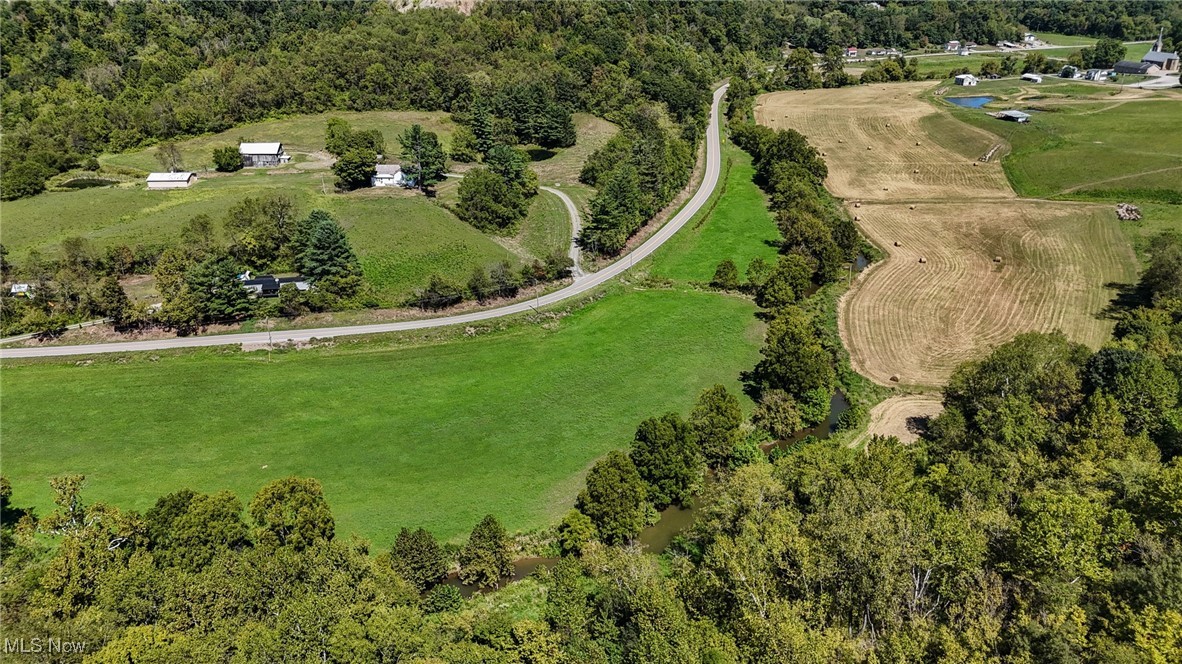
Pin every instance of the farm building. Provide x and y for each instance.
(262, 154)
(966, 79)
(388, 175)
(1029, 38)
(851, 52)
(1014, 116)
(965, 51)
(1163, 59)
(953, 45)
(1096, 74)
(1139, 68)
(1033, 78)
(171, 180)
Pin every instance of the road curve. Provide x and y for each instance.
(576, 225)
(580, 285)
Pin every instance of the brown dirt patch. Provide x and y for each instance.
(904, 417)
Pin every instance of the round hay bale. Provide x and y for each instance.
(911, 207)
(917, 142)
(895, 378)
(884, 188)
(974, 164)
(898, 244)
(922, 259)
(888, 124)
(857, 218)
(869, 148)
(915, 170)
(840, 141)
(857, 205)
(824, 155)
(997, 259)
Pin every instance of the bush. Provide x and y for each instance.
(91, 164)
(24, 179)
(443, 599)
(439, 294)
(226, 159)
(726, 276)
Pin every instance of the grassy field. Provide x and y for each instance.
(435, 435)
(562, 166)
(300, 135)
(1086, 138)
(913, 166)
(546, 229)
(739, 228)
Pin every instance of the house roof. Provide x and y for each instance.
(183, 176)
(1159, 57)
(388, 169)
(260, 148)
(1130, 67)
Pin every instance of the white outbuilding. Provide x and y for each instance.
(966, 79)
(180, 180)
(388, 175)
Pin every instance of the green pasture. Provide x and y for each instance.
(436, 435)
(737, 226)
(300, 135)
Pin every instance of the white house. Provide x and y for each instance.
(171, 180)
(1029, 38)
(851, 51)
(953, 45)
(966, 79)
(388, 175)
(1033, 78)
(262, 154)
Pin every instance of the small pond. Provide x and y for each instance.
(969, 102)
(86, 183)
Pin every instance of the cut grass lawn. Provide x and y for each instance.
(546, 229)
(300, 134)
(735, 225)
(562, 166)
(436, 435)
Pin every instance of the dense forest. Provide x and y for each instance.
(1038, 519)
(82, 78)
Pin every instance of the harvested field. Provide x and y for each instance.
(915, 322)
(905, 161)
(903, 417)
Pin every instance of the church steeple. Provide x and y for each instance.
(1157, 44)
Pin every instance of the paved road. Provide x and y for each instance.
(576, 224)
(581, 285)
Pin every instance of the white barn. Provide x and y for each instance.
(180, 180)
(388, 175)
(966, 79)
(1033, 78)
(262, 154)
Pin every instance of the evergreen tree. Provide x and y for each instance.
(555, 127)
(482, 125)
(615, 213)
(666, 457)
(463, 145)
(486, 559)
(423, 160)
(480, 286)
(328, 260)
(716, 420)
(219, 294)
(614, 498)
(833, 68)
(418, 558)
(113, 301)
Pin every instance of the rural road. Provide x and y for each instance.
(581, 285)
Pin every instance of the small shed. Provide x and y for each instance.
(953, 45)
(180, 180)
(1014, 116)
(388, 175)
(851, 51)
(1139, 68)
(966, 79)
(1033, 78)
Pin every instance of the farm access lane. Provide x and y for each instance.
(580, 285)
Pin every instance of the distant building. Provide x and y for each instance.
(1096, 74)
(851, 52)
(266, 285)
(966, 79)
(953, 45)
(1139, 68)
(1014, 116)
(1033, 78)
(388, 175)
(965, 51)
(1029, 38)
(1164, 60)
(262, 154)
(171, 180)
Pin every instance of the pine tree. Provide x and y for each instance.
(667, 459)
(113, 301)
(418, 558)
(423, 160)
(482, 125)
(485, 559)
(615, 213)
(328, 255)
(614, 498)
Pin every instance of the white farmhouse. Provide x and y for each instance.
(388, 175)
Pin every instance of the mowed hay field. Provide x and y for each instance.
(911, 323)
(892, 122)
(917, 321)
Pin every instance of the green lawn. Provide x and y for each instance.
(1065, 40)
(546, 229)
(300, 134)
(738, 228)
(435, 435)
